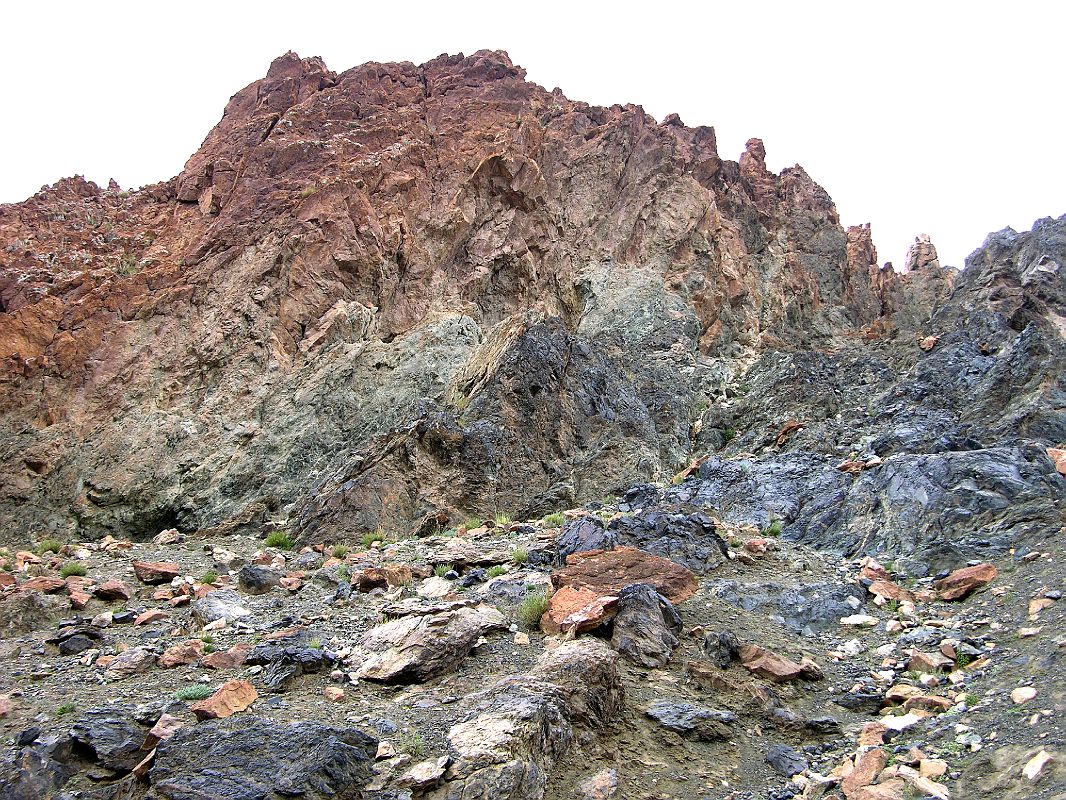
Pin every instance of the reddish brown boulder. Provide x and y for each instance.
(113, 589)
(165, 727)
(44, 584)
(769, 665)
(963, 582)
(607, 572)
(228, 659)
(187, 652)
(1059, 457)
(929, 662)
(151, 615)
(6, 580)
(867, 767)
(572, 610)
(79, 599)
(380, 577)
(152, 572)
(230, 698)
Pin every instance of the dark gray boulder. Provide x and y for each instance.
(253, 579)
(786, 761)
(111, 737)
(646, 627)
(706, 724)
(251, 758)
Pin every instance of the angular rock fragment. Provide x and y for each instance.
(154, 572)
(646, 626)
(418, 647)
(230, 698)
(253, 579)
(607, 572)
(220, 604)
(250, 758)
(134, 660)
(786, 761)
(520, 727)
(963, 582)
(575, 611)
(706, 724)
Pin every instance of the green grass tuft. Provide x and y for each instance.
(519, 555)
(198, 691)
(553, 520)
(339, 550)
(280, 539)
(66, 708)
(209, 577)
(441, 570)
(532, 609)
(497, 571)
(49, 546)
(774, 528)
(72, 568)
(374, 536)
(412, 744)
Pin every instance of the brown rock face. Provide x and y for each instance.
(922, 254)
(965, 581)
(402, 291)
(607, 572)
(152, 572)
(769, 665)
(230, 698)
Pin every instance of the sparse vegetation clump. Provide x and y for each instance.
(412, 744)
(519, 555)
(198, 691)
(72, 568)
(532, 609)
(502, 519)
(774, 528)
(280, 539)
(441, 570)
(49, 546)
(373, 536)
(209, 577)
(497, 571)
(66, 708)
(339, 550)
(553, 520)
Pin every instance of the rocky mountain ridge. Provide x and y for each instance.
(477, 442)
(345, 249)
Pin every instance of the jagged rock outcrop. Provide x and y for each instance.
(405, 290)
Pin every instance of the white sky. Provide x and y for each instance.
(937, 117)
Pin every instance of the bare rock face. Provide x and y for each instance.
(521, 726)
(921, 254)
(440, 284)
(420, 646)
(403, 292)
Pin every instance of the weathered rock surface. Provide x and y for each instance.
(471, 293)
(251, 758)
(689, 720)
(646, 627)
(520, 727)
(418, 647)
(608, 572)
(220, 604)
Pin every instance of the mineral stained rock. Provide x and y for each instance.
(404, 292)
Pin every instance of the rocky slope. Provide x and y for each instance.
(385, 304)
